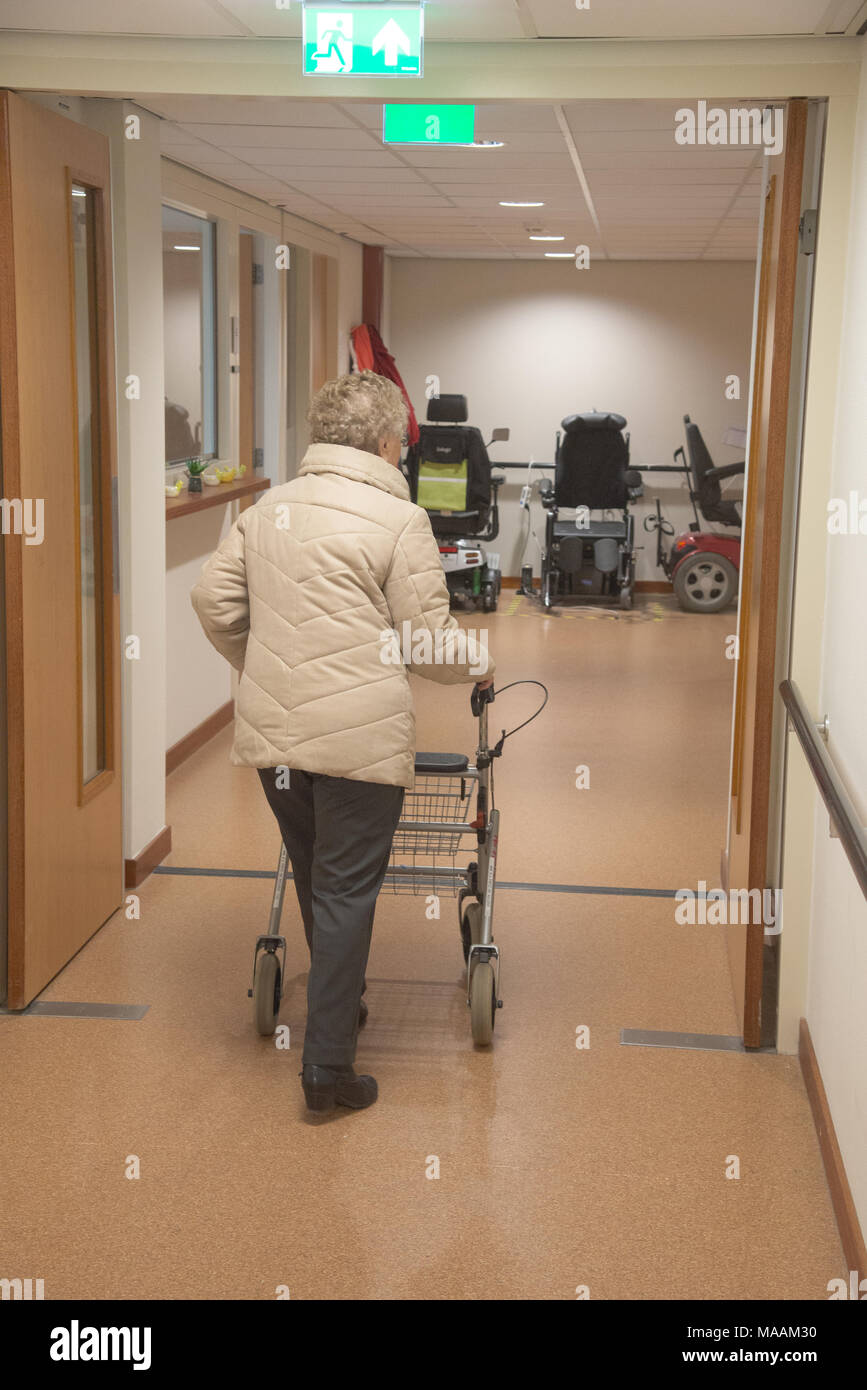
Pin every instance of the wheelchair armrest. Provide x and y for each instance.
(728, 470)
(548, 499)
(634, 484)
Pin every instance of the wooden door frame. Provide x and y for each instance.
(246, 350)
(770, 559)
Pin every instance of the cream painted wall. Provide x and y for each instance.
(531, 342)
(198, 681)
(138, 258)
(836, 1005)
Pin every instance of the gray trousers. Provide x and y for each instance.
(338, 837)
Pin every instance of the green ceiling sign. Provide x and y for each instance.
(363, 40)
(428, 125)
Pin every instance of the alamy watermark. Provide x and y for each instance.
(455, 646)
(714, 907)
(847, 516)
(740, 125)
(23, 516)
(77, 1343)
(24, 1289)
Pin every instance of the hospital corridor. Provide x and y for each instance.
(432, 760)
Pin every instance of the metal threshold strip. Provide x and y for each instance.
(602, 890)
(693, 1042)
(57, 1008)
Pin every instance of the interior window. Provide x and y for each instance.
(190, 347)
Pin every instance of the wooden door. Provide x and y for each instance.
(319, 322)
(246, 352)
(323, 320)
(755, 690)
(57, 392)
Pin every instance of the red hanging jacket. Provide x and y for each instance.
(371, 355)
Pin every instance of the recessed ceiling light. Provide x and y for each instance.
(546, 238)
(559, 256)
(186, 248)
(522, 205)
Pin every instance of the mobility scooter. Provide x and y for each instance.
(703, 566)
(449, 474)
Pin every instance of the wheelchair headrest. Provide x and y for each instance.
(450, 410)
(593, 420)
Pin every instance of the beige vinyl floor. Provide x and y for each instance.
(559, 1168)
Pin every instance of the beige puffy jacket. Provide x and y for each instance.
(299, 598)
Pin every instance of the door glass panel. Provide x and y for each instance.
(190, 335)
(90, 492)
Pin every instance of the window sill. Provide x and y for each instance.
(218, 496)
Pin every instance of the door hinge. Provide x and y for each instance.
(807, 229)
(258, 274)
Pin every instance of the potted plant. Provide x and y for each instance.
(195, 469)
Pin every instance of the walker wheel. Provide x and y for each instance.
(471, 927)
(483, 1003)
(267, 993)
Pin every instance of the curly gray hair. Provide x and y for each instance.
(358, 410)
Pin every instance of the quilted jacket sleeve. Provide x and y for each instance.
(417, 596)
(221, 600)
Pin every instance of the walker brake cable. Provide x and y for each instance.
(498, 746)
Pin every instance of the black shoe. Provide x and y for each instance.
(362, 1014)
(325, 1087)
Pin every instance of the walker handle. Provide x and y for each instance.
(478, 698)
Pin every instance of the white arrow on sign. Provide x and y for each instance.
(392, 40)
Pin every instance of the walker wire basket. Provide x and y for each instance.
(427, 841)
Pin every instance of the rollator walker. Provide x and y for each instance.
(428, 844)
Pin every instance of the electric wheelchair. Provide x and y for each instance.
(449, 474)
(581, 557)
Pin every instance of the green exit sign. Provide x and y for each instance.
(363, 40)
(428, 125)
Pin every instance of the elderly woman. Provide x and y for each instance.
(299, 598)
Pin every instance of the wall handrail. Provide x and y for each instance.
(839, 803)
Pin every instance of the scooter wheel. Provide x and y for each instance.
(705, 582)
(626, 598)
